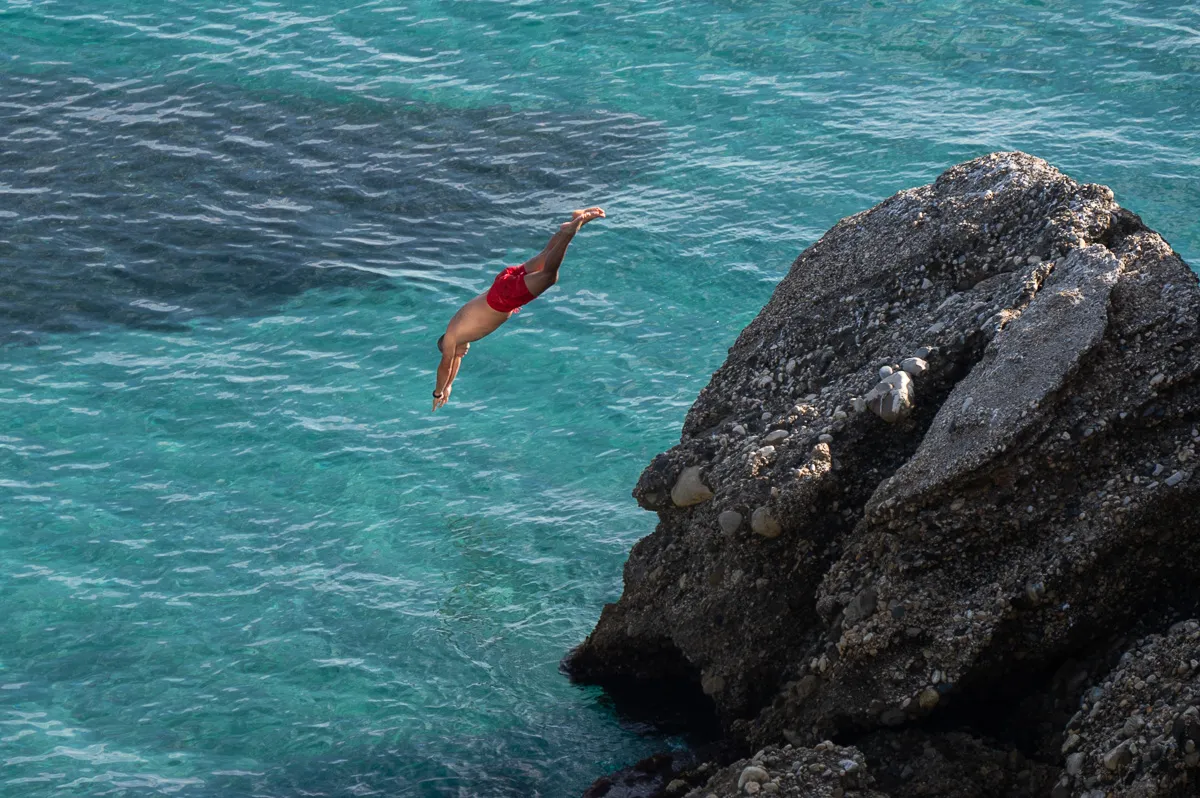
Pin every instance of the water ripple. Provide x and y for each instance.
(238, 556)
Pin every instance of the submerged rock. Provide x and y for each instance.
(1008, 521)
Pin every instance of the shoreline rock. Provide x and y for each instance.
(1021, 492)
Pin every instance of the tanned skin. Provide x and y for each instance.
(476, 319)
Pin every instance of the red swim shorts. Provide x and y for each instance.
(509, 292)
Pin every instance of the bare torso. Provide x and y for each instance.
(475, 319)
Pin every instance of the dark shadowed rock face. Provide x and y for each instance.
(1033, 347)
(1137, 732)
(941, 766)
(952, 765)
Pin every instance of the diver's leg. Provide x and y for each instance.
(542, 270)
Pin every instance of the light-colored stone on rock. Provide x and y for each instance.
(893, 398)
(914, 366)
(729, 521)
(764, 524)
(776, 436)
(752, 773)
(689, 489)
(712, 683)
(1118, 757)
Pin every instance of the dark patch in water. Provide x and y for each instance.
(154, 202)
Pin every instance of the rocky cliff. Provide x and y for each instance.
(941, 475)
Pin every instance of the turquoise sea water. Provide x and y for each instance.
(238, 556)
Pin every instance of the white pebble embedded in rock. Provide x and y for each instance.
(914, 366)
(776, 437)
(689, 489)
(1118, 757)
(764, 524)
(729, 521)
(712, 683)
(752, 774)
(892, 399)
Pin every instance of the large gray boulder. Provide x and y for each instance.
(1037, 495)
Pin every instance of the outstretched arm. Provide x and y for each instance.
(453, 373)
(446, 372)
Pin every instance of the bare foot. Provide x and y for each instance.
(580, 218)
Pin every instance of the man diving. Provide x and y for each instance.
(512, 288)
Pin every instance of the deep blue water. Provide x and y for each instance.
(238, 556)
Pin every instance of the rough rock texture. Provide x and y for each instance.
(824, 771)
(952, 765)
(1137, 733)
(911, 763)
(862, 573)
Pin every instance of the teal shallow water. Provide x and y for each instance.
(238, 556)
